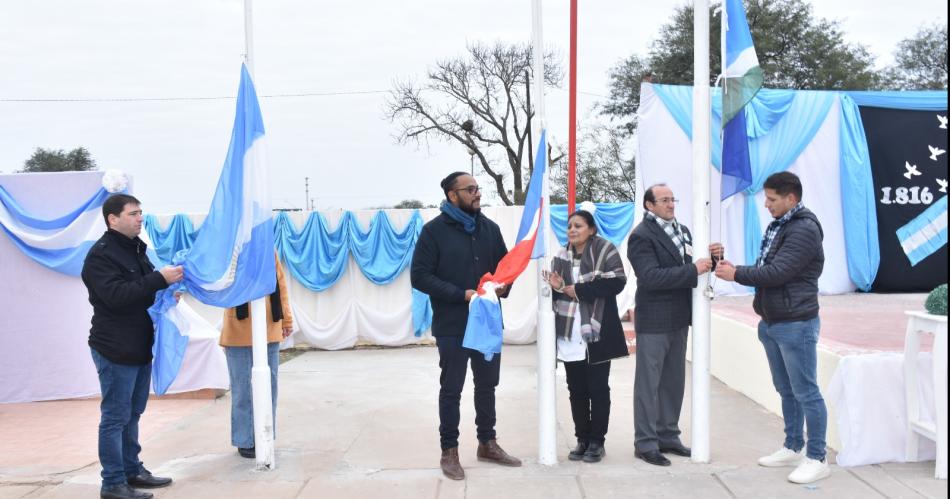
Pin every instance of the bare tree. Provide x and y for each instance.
(479, 101)
(606, 170)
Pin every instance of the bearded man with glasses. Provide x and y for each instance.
(454, 250)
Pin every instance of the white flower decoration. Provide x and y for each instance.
(115, 181)
(588, 206)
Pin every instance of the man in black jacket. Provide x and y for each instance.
(661, 252)
(122, 284)
(785, 277)
(454, 251)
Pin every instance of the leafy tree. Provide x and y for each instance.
(58, 160)
(479, 101)
(921, 61)
(410, 204)
(795, 49)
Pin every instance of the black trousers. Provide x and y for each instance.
(453, 359)
(589, 392)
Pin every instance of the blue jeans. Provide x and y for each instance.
(792, 351)
(240, 362)
(124, 395)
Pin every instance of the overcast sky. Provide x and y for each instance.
(117, 49)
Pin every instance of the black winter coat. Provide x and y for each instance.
(122, 284)
(447, 261)
(786, 287)
(665, 280)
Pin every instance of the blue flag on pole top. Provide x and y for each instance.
(742, 79)
(232, 259)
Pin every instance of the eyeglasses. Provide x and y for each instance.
(667, 201)
(471, 190)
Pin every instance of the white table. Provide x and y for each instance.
(923, 323)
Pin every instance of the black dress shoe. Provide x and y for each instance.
(123, 491)
(653, 457)
(145, 480)
(578, 453)
(247, 452)
(595, 452)
(678, 450)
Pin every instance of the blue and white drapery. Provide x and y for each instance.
(317, 256)
(59, 243)
(788, 130)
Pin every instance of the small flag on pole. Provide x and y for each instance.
(742, 79)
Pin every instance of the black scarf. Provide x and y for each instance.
(276, 310)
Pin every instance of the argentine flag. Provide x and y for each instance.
(485, 327)
(926, 234)
(742, 79)
(232, 259)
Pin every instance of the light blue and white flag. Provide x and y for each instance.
(232, 259)
(926, 234)
(742, 79)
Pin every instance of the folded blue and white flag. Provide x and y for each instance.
(926, 234)
(232, 259)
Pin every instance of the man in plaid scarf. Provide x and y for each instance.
(661, 252)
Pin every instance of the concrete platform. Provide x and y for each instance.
(363, 424)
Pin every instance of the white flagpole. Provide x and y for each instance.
(547, 361)
(260, 372)
(701, 152)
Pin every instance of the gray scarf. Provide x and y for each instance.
(600, 260)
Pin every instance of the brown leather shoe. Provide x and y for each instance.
(490, 451)
(451, 467)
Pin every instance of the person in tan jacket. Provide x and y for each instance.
(236, 340)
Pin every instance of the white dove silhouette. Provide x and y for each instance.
(934, 152)
(911, 170)
(943, 121)
(943, 184)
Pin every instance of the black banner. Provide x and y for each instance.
(909, 165)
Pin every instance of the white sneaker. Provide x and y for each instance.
(810, 471)
(782, 457)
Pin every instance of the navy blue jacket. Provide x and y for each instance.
(665, 280)
(122, 284)
(786, 287)
(447, 261)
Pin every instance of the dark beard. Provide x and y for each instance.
(471, 211)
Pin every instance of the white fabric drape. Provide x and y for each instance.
(44, 326)
(867, 392)
(664, 156)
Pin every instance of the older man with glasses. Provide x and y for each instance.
(660, 250)
(455, 249)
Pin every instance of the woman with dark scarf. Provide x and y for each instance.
(586, 276)
(236, 340)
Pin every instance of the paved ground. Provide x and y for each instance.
(362, 424)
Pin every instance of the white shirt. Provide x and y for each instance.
(573, 349)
